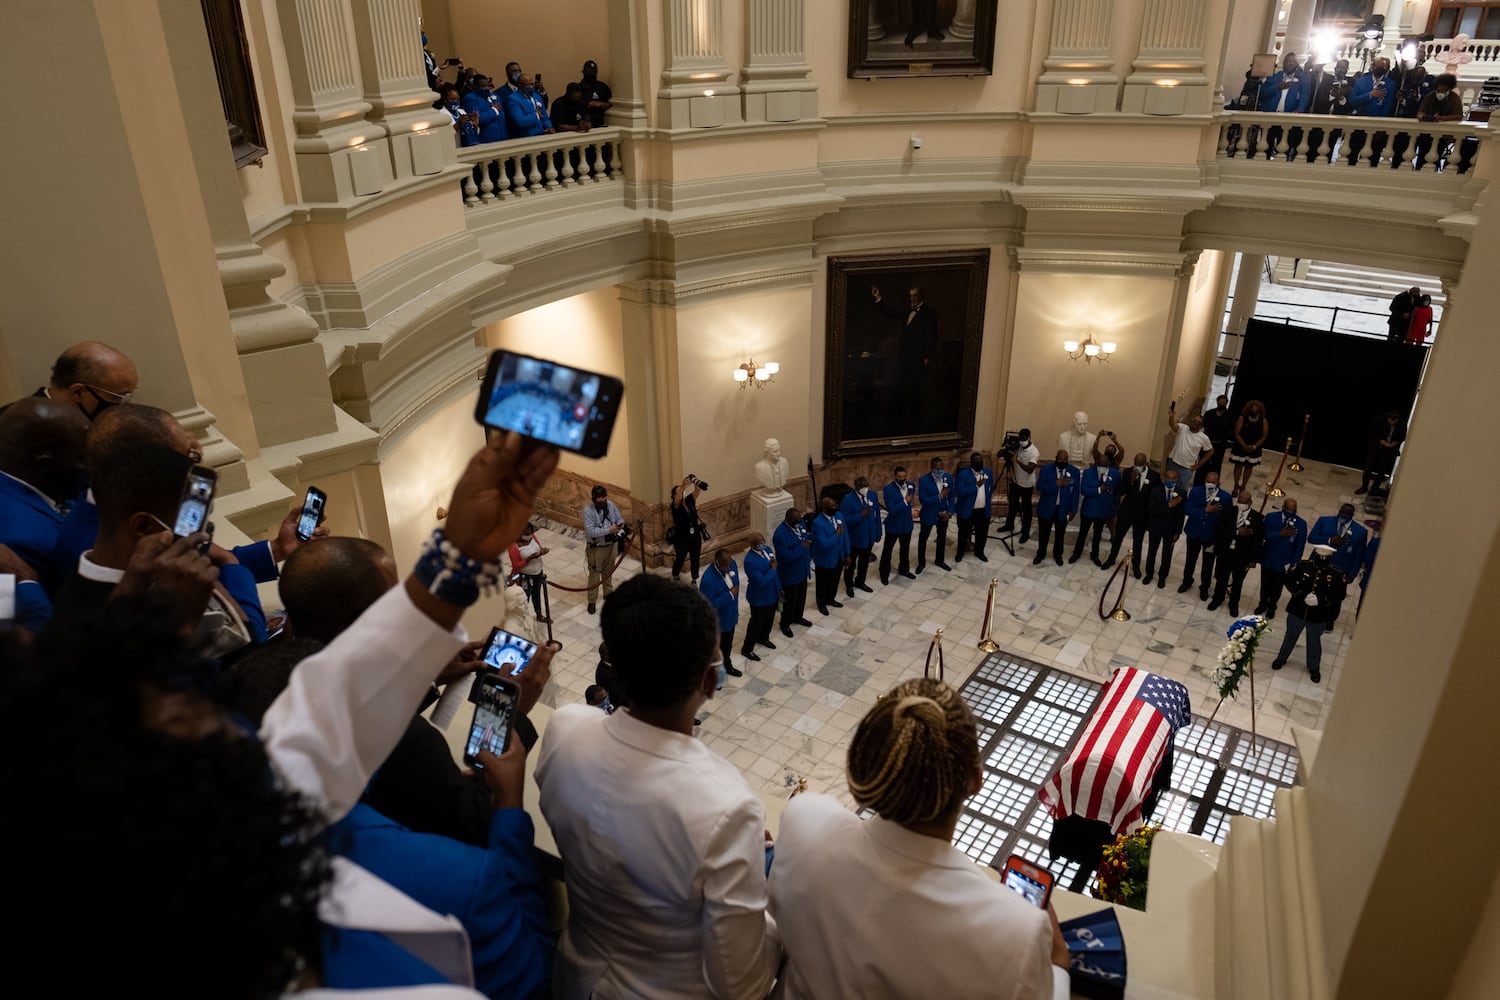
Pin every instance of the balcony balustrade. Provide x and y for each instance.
(516, 168)
(1448, 149)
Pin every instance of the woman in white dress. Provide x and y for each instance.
(887, 907)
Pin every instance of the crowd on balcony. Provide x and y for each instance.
(1381, 92)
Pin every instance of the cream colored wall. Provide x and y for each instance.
(723, 426)
(268, 187)
(584, 331)
(551, 38)
(1045, 388)
(1480, 970)
(1202, 322)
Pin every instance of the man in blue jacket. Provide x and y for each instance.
(721, 585)
(898, 495)
(830, 550)
(975, 493)
(1286, 539)
(1205, 505)
(763, 589)
(793, 566)
(861, 511)
(43, 473)
(1057, 485)
(1374, 94)
(1100, 485)
(525, 112)
(484, 103)
(1348, 538)
(935, 490)
(1286, 90)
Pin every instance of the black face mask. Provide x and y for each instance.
(976, 465)
(830, 511)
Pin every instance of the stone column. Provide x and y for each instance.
(625, 70)
(1078, 74)
(1246, 292)
(394, 79)
(335, 159)
(1299, 22)
(777, 87)
(875, 29)
(962, 26)
(695, 90)
(1168, 76)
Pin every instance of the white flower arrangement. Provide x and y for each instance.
(1238, 653)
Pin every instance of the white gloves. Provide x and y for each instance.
(1311, 600)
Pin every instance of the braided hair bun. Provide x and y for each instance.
(914, 752)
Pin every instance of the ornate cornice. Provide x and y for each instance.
(1161, 265)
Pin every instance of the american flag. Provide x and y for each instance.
(1109, 772)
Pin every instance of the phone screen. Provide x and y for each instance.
(568, 407)
(312, 513)
(197, 497)
(490, 729)
(508, 653)
(1034, 891)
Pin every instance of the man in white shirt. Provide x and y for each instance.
(663, 843)
(1024, 460)
(1191, 449)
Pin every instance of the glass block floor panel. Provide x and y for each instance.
(1003, 799)
(978, 839)
(991, 703)
(1068, 692)
(1026, 759)
(1008, 671)
(1049, 724)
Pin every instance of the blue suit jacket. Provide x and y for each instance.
(33, 606)
(491, 117)
(968, 489)
(1369, 561)
(1100, 492)
(1283, 553)
(1367, 106)
(1298, 95)
(864, 528)
(897, 510)
(524, 116)
(1350, 556)
(1055, 498)
(764, 586)
(1203, 526)
(830, 542)
(932, 503)
(30, 525)
(793, 561)
(723, 596)
(81, 527)
(495, 892)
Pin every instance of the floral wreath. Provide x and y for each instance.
(1238, 653)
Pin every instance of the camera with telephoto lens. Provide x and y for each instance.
(1012, 443)
(697, 482)
(623, 536)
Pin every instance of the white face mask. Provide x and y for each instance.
(1026, 442)
(1140, 470)
(863, 490)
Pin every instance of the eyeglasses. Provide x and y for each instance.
(107, 396)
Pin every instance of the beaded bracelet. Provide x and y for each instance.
(451, 576)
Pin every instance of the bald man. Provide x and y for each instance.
(325, 587)
(92, 376)
(43, 472)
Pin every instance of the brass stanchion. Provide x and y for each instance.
(986, 640)
(935, 645)
(1119, 614)
(1275, 490)
(1296, 465)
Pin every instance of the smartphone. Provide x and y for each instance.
(312, 513)
(571, 408)
(493, 713)
(453, 62)
(507, 652)
(197, 498)
(1032, 882)
(537, 79)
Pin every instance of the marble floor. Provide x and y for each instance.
(792, 714)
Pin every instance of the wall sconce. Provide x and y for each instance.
(1090, 349)
(759, 374)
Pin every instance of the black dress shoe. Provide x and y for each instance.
(860, 586)
(733, 671)
(1202, 595)
(885, 581)
(767, 643)
(1315, 676)
(1277, 664)
(1362, 491)
(981, 558)
(1161, 582)
(848, 591)
(1058, 560)
(1270, 614)
(752, 655)
(958, 559)
(1213, 605)
(1135, 572)
(1260, 609)
(801, 621)
(786, 630)
(920, 568)
(591, 609)
(911, 38)
(910, 576)
(1074, 558)
(1234, 610)
(822, 611)
(1038, 560)
(1106, 565)
(1186, 586)
(944, 566)
(1025, 537)
(936, 36)
(834, 604)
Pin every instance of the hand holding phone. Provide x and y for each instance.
(507, 652)
(197, 500)
(571, 408)
(504, 776)
(312, 513)
(1031, 881)
(494, 712)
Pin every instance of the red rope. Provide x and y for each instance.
(581, 590)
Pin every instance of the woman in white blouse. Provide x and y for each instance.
(887, 907)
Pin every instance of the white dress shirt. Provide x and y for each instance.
(868, 908)
(1025, 456)
(663, 848)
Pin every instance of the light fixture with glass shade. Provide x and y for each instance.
(1090, 349)
(759, 374)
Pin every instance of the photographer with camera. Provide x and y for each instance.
(1024, 457)
(604, 528)
(688, 530)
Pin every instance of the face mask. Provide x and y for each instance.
(1061, 465)
(1026, 442)
(901, 479)
(485, 91)
(527, 91)
(863, 490)
(976, 465)
(1441, 94)
(1101, 466)
(829, 511)
(1140, 470)
(513, 77)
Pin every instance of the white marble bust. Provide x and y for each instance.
(772, 471)
(1077, 441)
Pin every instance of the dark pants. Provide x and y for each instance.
(1378, 463)
(1193, 548)
(942, 543)
(1086, 525)
(1137, 532)
(1044, 531)
(826, 584)
(689, 550)
(856, 568)
(923, 17)
(885, 555)
(1315, 630)
(1163, 542)
(532, 584)
(793, 602)
(759, 629)
(1215, 463)
(726, 646)
(1229, 582)
(1020, 499)
(975, 529)
(1272, 583)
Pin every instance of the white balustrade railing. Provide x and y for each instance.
(1451, 148)
(1433, 55)
(515, 168)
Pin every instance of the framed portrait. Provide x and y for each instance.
(921, 38)
(1347, 12)
(904, 333)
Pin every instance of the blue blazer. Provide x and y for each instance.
(30, 525)
(1281, 554)
(33, 606)
(1367, 106)
(491, 116)
(1297, 96)
(1369, 562)
(524, 116)
(1100, 492)
(897, 509)
(81, 527)
(723, 596)
(830, 542)
(928, 489)
(968, 489)
(495, 891)
(765, 585)
(1349, 557)
(793, 561)
(863, 518)
(1203, 526)
(1054, 497)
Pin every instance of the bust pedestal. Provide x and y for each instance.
(768, 511)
